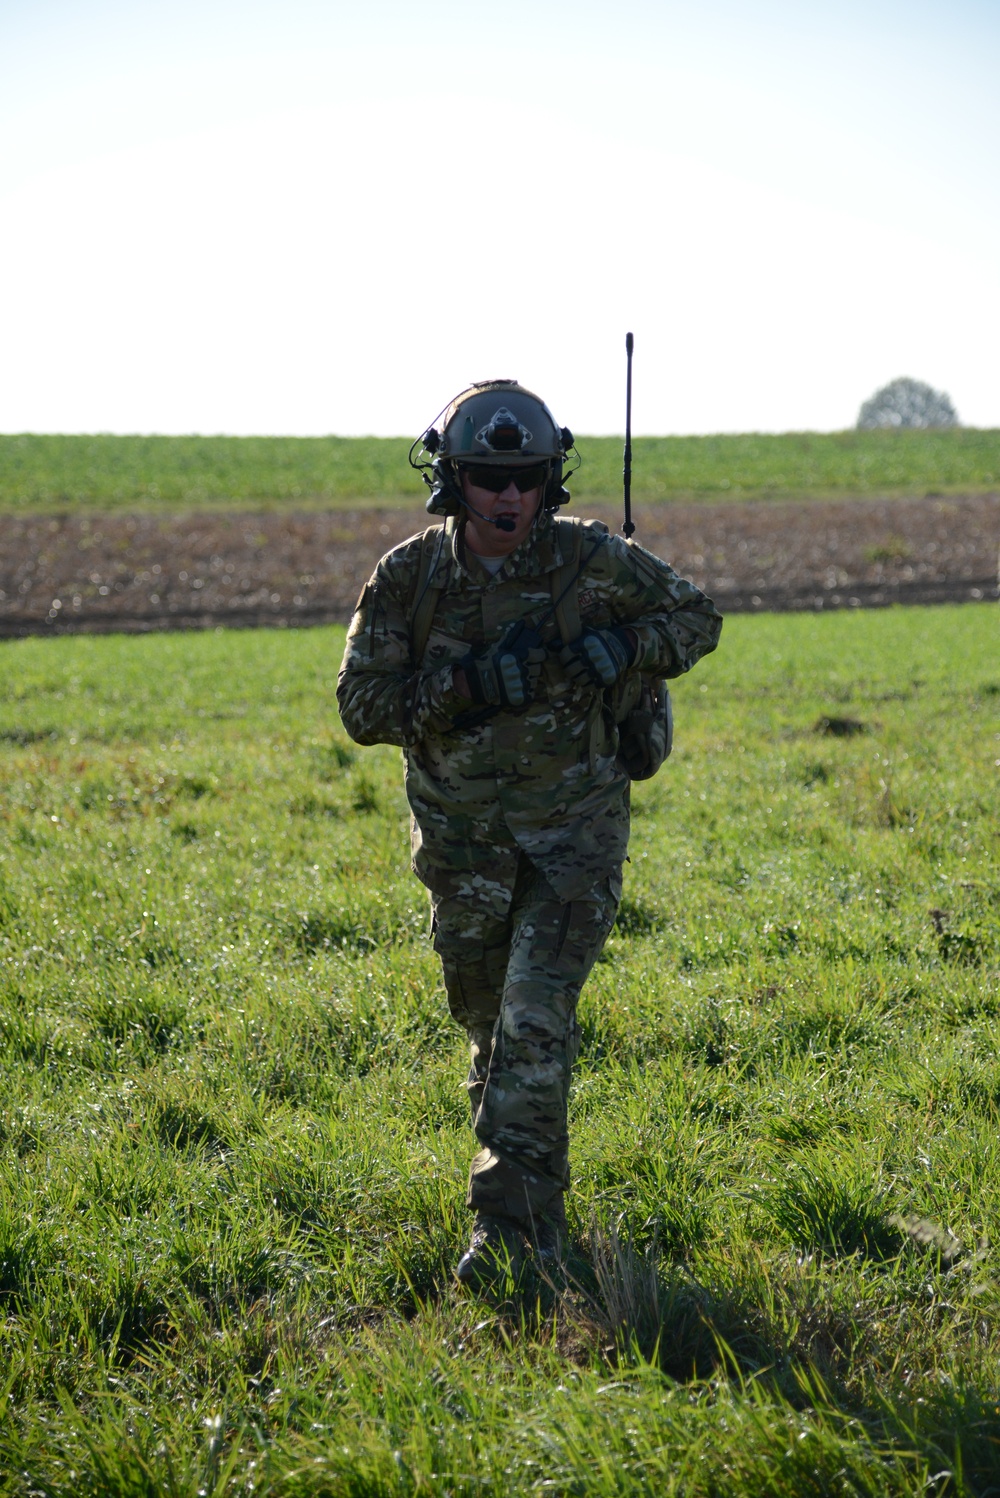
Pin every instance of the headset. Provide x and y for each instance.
(475, 429)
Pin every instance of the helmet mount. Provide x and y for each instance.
(504, 433)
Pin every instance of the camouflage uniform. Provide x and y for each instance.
(519, 823)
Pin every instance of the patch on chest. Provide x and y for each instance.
(588, 600)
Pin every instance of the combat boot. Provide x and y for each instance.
(496, 1250)
(550, 1235)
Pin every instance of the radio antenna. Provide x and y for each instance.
(628, 527)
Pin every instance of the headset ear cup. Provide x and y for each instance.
(452, 488)
(445, 498)
(555, 493)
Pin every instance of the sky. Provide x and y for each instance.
(307, 218)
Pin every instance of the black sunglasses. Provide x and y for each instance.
(485, 476)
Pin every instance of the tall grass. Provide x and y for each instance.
(58, 473)
(233, 1136)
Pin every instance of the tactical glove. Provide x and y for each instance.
(599, 658)
(506, 676)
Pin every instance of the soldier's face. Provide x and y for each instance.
(482, 534)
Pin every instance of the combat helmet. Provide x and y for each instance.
(497, 423)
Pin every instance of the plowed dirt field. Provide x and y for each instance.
(79, 572)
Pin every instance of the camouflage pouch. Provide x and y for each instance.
(644, 714)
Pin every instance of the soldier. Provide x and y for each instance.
(491, 650)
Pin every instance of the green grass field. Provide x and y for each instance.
(53, 473)
(235, 1139)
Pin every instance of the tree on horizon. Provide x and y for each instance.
(907, 403)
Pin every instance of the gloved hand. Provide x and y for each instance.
(600, 657)
(506, 676)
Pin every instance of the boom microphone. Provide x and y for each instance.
(503, 523)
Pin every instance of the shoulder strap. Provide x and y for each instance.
(563, 582)
(425, 592)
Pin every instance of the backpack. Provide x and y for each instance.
(639, 703)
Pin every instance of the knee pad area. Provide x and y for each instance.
(539, 1019)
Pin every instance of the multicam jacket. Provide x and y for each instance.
(544, 781)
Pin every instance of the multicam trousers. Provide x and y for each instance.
(513, 981)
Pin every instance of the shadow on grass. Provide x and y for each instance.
(786, 1335)
(619, 1303)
